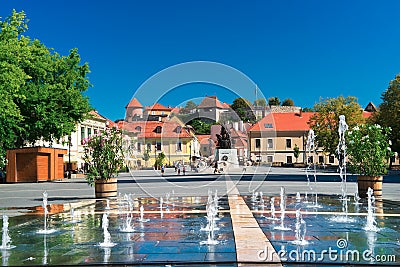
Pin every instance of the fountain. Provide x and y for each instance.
(127, 225)
(6, 239)
(300, 229)
(108, 204)
(44, 205)
(161, 208)
(282, 206)
(142, 219)
(311, 154)
(273, 216)
(371, 222)
(341, 152)
(107, 237)
(212, 211)
(298, 197)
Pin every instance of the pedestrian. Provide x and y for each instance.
(179, 171)
(184, 170)
(162, 170)
(216, 167)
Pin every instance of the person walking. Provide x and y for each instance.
(184, 170)
(162, 170)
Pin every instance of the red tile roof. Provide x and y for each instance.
(202, 137)
(287, 121)
(147, 129)
(367, 114)
(211, 102)
(134, 103)
(158, 106)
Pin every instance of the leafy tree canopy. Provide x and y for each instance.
(288, 102)
(325, 121)
(243, 109)
(261, 102)
(200, 126)
(41, 91)
(389, 112)
(274, 101)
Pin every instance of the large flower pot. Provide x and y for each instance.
(374, 182)
(106, 188)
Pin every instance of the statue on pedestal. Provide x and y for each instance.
(224, 141)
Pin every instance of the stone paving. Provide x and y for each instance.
(17, 199)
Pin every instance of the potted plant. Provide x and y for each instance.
(368, 149)
(104, 158)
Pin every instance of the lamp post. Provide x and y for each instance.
(190, 153)
(69, 157)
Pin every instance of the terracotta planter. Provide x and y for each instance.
(374, 182)
(106, 188)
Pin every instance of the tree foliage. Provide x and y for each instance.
(243, 109)
(288, 102)
(200, 127)
(190, 105)
(261, 102)
(296, 152)
(368, 149)
(389, 112)
(274, 101)
(160, 160)
(41, 91)
(326, 120)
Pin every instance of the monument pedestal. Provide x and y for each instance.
(229, 156)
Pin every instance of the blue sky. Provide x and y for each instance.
(303, 50)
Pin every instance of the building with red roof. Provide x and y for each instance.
(134, 110)
(273, 138)
(172, 138)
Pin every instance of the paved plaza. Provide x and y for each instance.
(150, 183)
(164, 241)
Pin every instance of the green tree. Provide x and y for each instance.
(243, 109)
(41, 90)
(190, 105)
(325, 121)
(389, 112)
(200, 126)
(296, 152)
(146, 156)
(160, 160)
(274, 101)
(288, 102)
(261, 102)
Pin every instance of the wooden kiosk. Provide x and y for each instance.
(34, 164)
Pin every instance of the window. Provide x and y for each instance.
(310, 159)
(82, 133)
(158, 129)
(270, 159)
(139, 147)
(138, 128)
(268, 125)
(179, 129)
(149, 146)
(331, 159)
(162, 112)
(321, 159)
(95, 131)
(288, 143)
(89, 132)
(153, 113)
(204, 148)
(158, 146)
(179, 145)
(270, 143)
(258, 143)
(289, 159)
(258, 158)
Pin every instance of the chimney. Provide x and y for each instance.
(301, 113)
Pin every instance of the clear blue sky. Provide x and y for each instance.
(302, 50)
